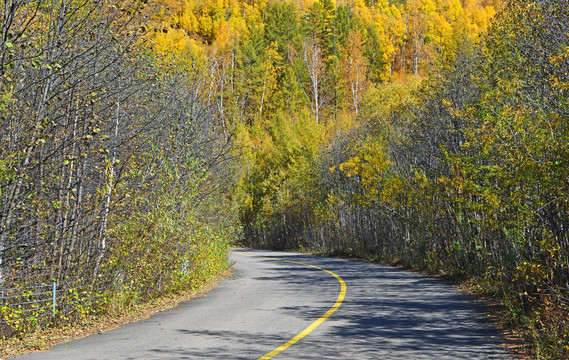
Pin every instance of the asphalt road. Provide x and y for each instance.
(386, 314)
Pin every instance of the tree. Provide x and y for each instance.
(315, 67)
(320, 25)
(282, 27)
(418, 19)
(270, 69)
(355, 67)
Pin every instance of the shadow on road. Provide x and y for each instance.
(386, 314)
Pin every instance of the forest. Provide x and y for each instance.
(139, 140)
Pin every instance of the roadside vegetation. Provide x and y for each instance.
(111, 167)
(426, 133)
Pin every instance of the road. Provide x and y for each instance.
(381, 313)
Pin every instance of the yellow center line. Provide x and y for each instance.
(315, 324)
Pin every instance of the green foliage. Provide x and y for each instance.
(168, 249)
(282, 26)
(278, 168)
(320, 22)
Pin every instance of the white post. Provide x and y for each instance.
(54, 298)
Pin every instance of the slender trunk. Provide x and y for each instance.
(106, 211)
(263, 97)
(67, 206)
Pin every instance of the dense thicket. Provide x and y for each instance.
(108, 156)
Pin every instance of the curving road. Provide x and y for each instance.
(386, 313)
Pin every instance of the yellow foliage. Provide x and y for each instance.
(476, 19)
(388, 20)
(187, 18)
(362, 11)
(370, 165)
(174, 40)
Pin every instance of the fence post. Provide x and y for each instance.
(185, 267)
(54, 298)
